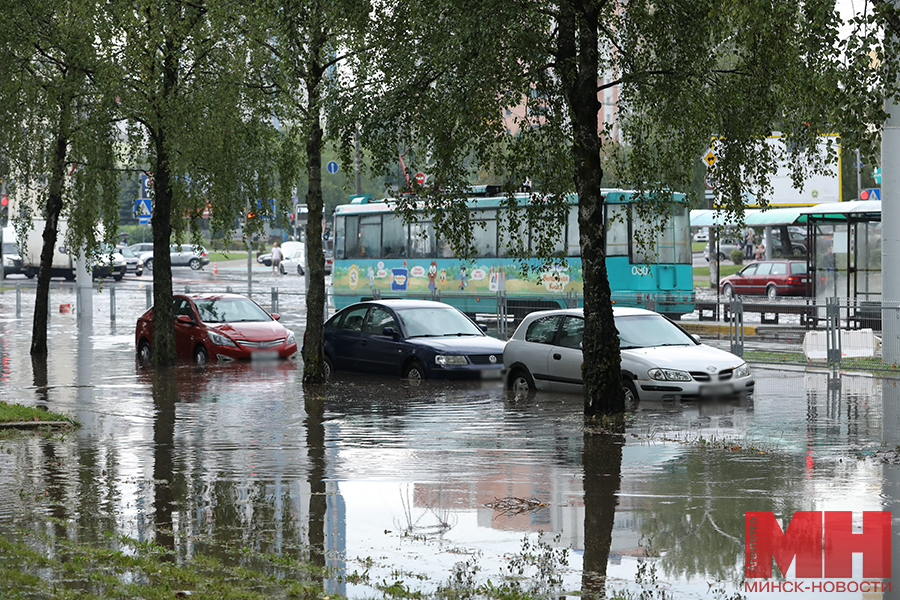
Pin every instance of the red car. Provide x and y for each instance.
(770, 277)
(221, 327)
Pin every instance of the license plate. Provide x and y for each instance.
(717, 389)
(265, 355)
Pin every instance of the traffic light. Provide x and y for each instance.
(4, 210)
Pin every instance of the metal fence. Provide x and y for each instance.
(833, 332)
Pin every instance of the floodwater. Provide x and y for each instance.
(412, 483)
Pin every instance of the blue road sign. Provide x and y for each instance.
(143, 210)
(871, 194)
(332, 167)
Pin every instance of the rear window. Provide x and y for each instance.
(543, 330)
(798, 268)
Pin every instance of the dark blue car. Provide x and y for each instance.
(416, 339)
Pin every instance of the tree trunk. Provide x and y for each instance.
(163, 345)
(601, 371)
(314, 338)
(51, 230)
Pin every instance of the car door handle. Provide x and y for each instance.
(557, 357)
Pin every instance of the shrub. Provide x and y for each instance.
(737, 257)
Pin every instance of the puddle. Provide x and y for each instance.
(402, 482)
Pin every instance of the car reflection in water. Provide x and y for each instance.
(222, 327)
(660, 360)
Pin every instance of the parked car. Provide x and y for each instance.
(415, 339)
(110, 263)
(701, 236)
(221, 327)
(181, 255)
(770, 277)
(660, 360)
(289, 248)
(726, 246)
(294, 262)
(12, 262)
(133, 262)
(141, 248)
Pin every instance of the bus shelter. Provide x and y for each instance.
(846, 239)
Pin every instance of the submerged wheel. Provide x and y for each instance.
(194, 264)
(329, 369)
(772, 292)
(520, 381)
(414, 370)
(300, 270)
(200, 356)
(631, 394)
(728, 291)
(148, 264)
(144, 351)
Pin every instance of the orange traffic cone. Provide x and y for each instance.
(215, 268)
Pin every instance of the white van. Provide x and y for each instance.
(63, 263)
(293, 258)
(12, 262)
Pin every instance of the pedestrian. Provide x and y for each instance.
(276, 259)
(749, 244)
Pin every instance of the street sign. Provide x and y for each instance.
(332, 167)
(143, 210)
(420, 178)
(710, 158)
(870, 194)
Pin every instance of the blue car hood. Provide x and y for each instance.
(460, 345)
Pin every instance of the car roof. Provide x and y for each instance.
(399, 303)
(618, 311)
(223, 296)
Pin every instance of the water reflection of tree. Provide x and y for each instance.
(165, 397)
(315, 448)
(602, 460)
(701, 532)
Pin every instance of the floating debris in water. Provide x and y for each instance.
(515, 506)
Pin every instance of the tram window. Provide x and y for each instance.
(339, 237)
(682, 235)
(516, 238)
(369, 236)
(484, 232)
(393, 237)
(351, 239)
(616, 229)
(421, 240)
(547, 225)
(573, 243)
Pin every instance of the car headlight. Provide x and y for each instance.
(450, 359)
(668, 375)
(140, 263)
(742, 371)
(290, 338)
(220, 340)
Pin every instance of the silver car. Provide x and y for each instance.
(660, 360)
(181, 255)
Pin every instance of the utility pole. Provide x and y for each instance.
(890, 229)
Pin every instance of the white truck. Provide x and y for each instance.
(64, 261)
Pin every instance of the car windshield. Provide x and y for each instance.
(436, 322)
(647, 331)
(230, 310)
(126, 252)
(10, 248)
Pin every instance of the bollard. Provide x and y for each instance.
(275, 300)
(149, 297)
(229, 290)
(187, 289)
(18, 300)
(112, 304)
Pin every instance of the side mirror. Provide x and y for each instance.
(276, 316)
(389, 332)
(696, 337)
(184, 319)
(483, 327)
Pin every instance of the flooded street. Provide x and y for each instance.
(416, 485)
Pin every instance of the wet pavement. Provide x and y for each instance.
(411, 483)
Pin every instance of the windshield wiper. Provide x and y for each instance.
(459, 334)
(425, 335)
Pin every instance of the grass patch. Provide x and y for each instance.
(795, 358)
(216, 256)
(724, 271)
(15, 413)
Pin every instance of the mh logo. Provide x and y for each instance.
(821, 544)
